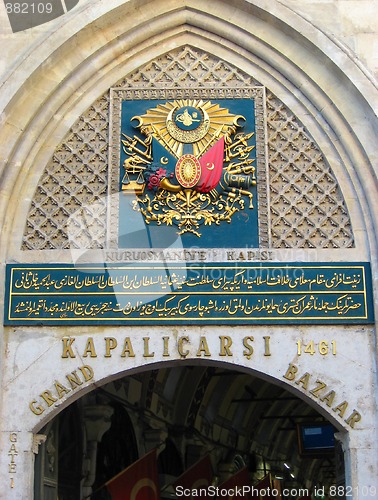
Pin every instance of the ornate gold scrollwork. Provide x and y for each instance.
(199, 126)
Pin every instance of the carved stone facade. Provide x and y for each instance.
(303, 206)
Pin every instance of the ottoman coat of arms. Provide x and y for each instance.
(190, 163)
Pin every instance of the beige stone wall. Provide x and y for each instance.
(353, 23)
(59, 52)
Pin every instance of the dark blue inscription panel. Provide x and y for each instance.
(220, 293)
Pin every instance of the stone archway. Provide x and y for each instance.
(75, 366)
(275, 64)
(187, 409)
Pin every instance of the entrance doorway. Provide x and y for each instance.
(187, 411)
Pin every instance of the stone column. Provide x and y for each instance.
(361, 463)
(97, 420)
(155, 438)
(17, 465)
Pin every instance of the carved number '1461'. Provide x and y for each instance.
(324, 347)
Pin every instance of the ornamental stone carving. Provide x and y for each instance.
(300, 202)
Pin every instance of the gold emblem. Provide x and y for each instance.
(188, 171)
(188, 124)
(194, 167)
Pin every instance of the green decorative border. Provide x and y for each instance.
(221, 293)
(119, 95)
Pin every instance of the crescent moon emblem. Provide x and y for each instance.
(164, 160)
(239, 118)
(139, 119)
(143, 483)
(210, 166)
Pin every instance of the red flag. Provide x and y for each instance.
(139, 481)
(197, 476)
(264, 489)
(211, 167)
(238, 480)
(277, 487)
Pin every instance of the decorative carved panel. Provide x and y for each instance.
(307, 208)
(303, 206)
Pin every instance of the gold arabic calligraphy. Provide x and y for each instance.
(241, 279)
(195, 293)
(180, 306)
